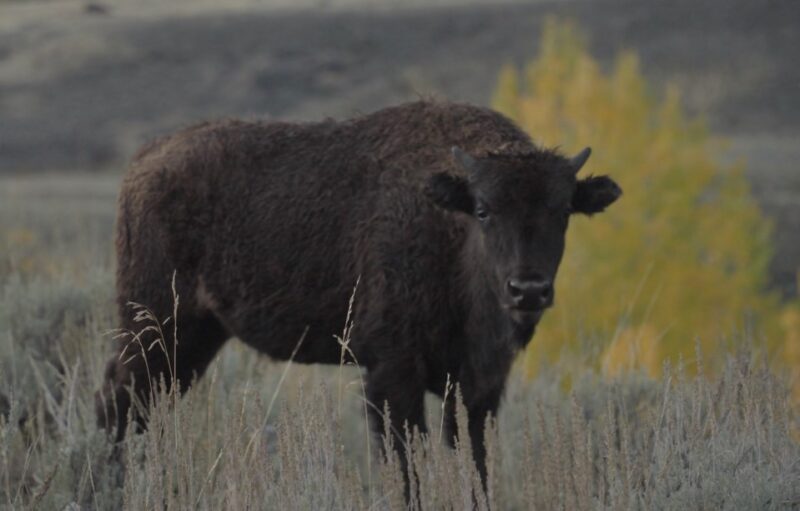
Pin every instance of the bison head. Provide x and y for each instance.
(519, 207)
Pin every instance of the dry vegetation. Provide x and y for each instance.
(632, 442)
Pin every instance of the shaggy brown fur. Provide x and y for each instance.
(269, 225)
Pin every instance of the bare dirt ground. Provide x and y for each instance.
(83, 84)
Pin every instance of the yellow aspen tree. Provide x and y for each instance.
(683, 257)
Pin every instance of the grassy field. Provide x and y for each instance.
(259, 435)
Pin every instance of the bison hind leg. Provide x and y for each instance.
(136, 371)
(397, 387)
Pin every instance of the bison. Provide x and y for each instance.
(449, 216)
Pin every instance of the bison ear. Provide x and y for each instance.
(594, 194)
(450, 192)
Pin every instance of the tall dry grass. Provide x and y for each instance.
(631, 443)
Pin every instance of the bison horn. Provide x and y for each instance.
(577, 161)
(464, 159)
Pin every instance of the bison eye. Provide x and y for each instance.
(481, 212)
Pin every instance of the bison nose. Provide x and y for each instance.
(533, 293)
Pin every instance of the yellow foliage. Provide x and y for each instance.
(791, 352)
(633, 348)
(682, 257)
(21, 252)
(20, 237)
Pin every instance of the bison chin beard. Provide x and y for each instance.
(523, 325)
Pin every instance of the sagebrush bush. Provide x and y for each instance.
(625, 443)
(44, 324)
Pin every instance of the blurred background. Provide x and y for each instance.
(693, 106)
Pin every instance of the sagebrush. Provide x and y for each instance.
(632, 442)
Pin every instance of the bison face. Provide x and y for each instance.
(519, 206)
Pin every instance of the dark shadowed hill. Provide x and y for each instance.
(81, 87)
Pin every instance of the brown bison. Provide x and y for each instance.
(269, 225)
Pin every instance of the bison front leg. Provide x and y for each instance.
(401, 387)
(478, 409)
